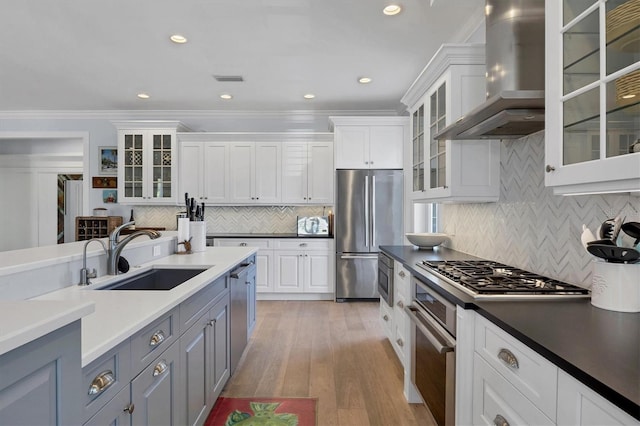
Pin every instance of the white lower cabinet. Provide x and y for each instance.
(497, 402)
(500, 380)
(579, 405)
(264, 259)
(304, 266)
(393, 318)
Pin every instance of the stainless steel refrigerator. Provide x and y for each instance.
(369, 211)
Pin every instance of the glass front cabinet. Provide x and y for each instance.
(147, 163)
(593, 96)
(452, 84)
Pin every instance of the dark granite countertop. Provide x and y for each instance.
(264, 235)
(600, 348)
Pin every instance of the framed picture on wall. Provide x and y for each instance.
(109, 196)
(108, 160)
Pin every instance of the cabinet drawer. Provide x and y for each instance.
(525, 369)
(242, 242)
(192, 308)
(105, 377)
(494, 399)
(386, 319)
(401, 279)
(153, 339)
(303, 244)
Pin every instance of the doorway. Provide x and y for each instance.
(69, 206)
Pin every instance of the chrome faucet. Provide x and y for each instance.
(115, 246)
(85, 274)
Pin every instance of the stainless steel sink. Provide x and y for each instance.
(155, 279)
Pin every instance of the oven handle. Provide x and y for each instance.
(428, 327)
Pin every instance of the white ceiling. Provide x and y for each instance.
(97, 55)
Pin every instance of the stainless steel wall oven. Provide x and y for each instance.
(433, 321)
(385, 278)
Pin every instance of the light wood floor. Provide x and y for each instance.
(335, 352)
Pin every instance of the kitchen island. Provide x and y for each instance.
(599, 348)
(112, 337)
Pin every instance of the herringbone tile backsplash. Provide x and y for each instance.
(529, 227)
(267, 219)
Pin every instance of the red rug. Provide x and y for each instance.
(276, 411)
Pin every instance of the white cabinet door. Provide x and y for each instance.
(352, 147)
(288, 271)
(191, 169)
(215, 172)
(294, 172)
(579, 405)
(320, 173)
(317, 272)
(268, 180)
(242, 169)
(264, 272)
(385, 147)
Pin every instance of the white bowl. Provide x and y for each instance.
(426, 240)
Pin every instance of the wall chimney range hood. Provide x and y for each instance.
(515, 75)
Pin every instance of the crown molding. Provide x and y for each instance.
(175, 114)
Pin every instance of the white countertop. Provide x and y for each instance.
(121, 313)
(23, 321)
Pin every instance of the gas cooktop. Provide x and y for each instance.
(484, 279)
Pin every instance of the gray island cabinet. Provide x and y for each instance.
(172, 371)
(39, 380)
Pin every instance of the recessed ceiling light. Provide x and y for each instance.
(392, 9)
(309, 96)
(364, 80)
(177, 38)
(143, 96)
(226, 96)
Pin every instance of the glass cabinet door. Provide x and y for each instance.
(133, 165)
(437, 148)
(601, 80)
(417, 139)
(161, 170)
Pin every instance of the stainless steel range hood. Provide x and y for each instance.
(515, 75)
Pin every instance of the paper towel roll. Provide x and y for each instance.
(198, 236)
(183, 233)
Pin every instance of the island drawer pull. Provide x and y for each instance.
(129, 408)
(157, 338)
(500, 421)
(509, 358)
(101, 382)
(160, 368)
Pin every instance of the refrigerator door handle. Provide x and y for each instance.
(359, 256)
(373, 211)
(366, 211)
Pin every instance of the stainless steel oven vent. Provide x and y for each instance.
(514, 74)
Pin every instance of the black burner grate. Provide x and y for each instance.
(488, 277)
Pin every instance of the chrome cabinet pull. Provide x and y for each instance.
(386, 317)
(303, 244)
(129, 408)
(509, 358)
(160, 368)
(500, 421)
(101, 382)
(400, 342)
(549, 168)
(211, 323)
(402, 274)
(157, 338)
(400, 304)
(243, 244)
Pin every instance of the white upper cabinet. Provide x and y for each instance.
(307, 172)
(255, 169)
(592, 128)
(369, 142)
(147, 167)
(451, 84)
(204, 170)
